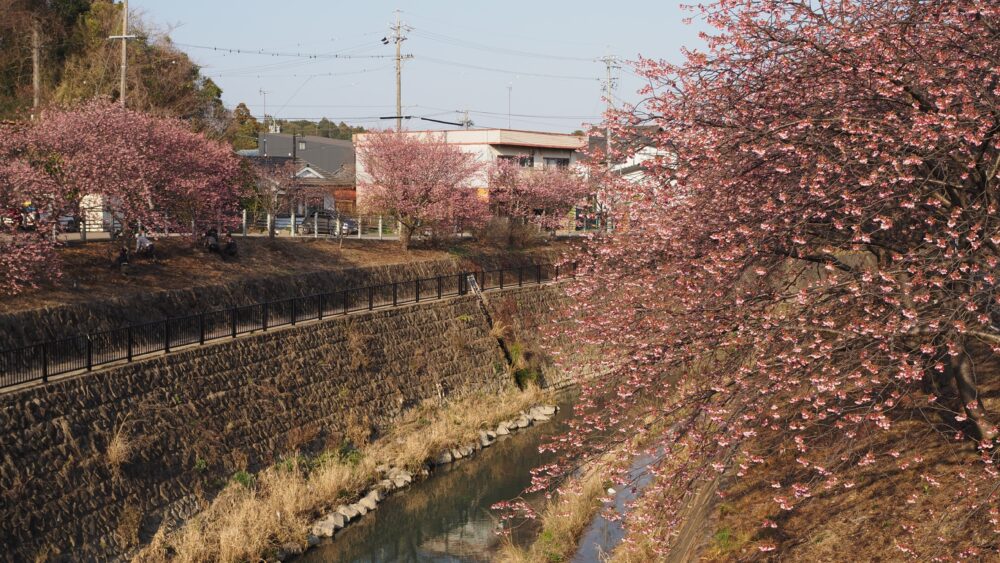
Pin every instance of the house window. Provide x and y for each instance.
(302, 145)
(560, 163)
(524, 161)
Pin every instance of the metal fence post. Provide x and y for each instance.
(295, 309)
(201, 329)
(361, 226)
(520, 276)
(320, 305)
(394, 293)
(346, 304)
(90, 354)
(557, 272)
(264, 315)
(232, 320)
(379, 227)
(371, 297)
(244, 223)
(293, 224)
(501, 278)
(45, 363)
(440, 284)
(130, 339)
(416, 288)
(166, 336)
(538, 273)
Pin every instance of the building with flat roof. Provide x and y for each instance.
(530, 149)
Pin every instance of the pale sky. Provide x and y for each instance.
(543, 50)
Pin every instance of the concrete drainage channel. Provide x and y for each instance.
(395, 479)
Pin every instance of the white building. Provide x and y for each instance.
(531, 149)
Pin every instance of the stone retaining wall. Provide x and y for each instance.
(195, 417)
(533, 315)
(30, 327)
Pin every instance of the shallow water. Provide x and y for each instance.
(447, 518)
(604, 533)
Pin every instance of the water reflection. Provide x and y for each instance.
(447, 518)
(603, 535)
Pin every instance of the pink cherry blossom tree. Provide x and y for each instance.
(27, 249)
(539, 197)
(421, 180)
(152, 171)
(816, 262)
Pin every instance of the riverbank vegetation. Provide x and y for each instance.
(820, 207)
(255, 515)
(563, 520)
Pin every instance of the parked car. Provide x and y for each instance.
(348, 226)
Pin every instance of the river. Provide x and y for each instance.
(447, 518)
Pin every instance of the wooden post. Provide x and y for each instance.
(379, 227)
(244, 223)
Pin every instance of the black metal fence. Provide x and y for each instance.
(86, 351)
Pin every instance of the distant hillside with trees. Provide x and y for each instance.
(79, 63)
(322, 128)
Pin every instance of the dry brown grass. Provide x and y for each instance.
(500, 330)
(120, 449)
(245, 523)
(563, 520)
(181, 265)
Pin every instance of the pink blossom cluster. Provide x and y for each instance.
(150, 171)
(816, 263)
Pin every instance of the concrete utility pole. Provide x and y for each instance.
(124, 37)
(36, 68)
(611, 63)
(398, 29)
(510, 89)
(264, 93)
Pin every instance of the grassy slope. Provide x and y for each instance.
(87, 274)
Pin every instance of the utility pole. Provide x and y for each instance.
(610, 63)
(36, 68)
(466, 122)
(124, 37)
(264, 93)
(510, 88)
(398, 29)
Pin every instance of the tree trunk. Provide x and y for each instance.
(972, 403)
(405, 234)
(956, 389)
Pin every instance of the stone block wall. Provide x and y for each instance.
(198, 415)
(534, 315)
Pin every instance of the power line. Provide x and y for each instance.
(502, 114)
(505, 71)
(441, 38)
(298, 55)
(296, 75)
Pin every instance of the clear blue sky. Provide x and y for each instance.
(526, 38)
